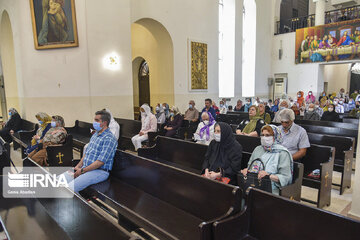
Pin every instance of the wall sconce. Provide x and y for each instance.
(112, 61)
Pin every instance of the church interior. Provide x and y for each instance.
(191, 119)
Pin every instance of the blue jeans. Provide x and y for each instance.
(86, 179)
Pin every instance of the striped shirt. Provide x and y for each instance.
(101, 147)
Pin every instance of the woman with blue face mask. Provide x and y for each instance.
(224, 154)
(12, 125)
(247, 105)
(174, 122)
(277, 160)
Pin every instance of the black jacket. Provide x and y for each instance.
(14, 123)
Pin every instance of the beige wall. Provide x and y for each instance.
(152, 42)
(8, 62)
(337, 76)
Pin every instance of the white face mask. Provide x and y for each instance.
(341, 102)
(311, 109)
(267, 141)
(217, 137)
(299, 95)
(330, 109)
(206, 122)
(310, 94)
(317, 106)
(281, 108)
(157, 109)
(143, 114)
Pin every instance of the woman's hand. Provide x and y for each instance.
(238, 132)
(214, 175)
(244, 171)
(207, 175)
(262, 174)
(169, 128)
(36, 137)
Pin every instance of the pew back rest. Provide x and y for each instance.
(203, 198)
(128, 128)
(331, 130)
(316, 155)
(28, 126)
(341, 144)
(84, 128)
(186, 153)
(248, 143)
(290, 215)
(327, 124)
(351, 120)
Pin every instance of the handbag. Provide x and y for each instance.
(251, 180)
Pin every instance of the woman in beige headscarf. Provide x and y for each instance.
(174, 122)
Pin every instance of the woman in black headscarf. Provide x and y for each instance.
(11, 126)
(223, 157)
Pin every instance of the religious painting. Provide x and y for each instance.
(198, 66)
(54, 23)
(331, 42)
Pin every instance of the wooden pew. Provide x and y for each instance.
(178, 153)
(26, 126)
(322, 158)
(55, 218)
(5, 154)
(351, 120)
(166, 201)
(328, 124)
(81, 134)
(61, 155)
(344, 151)
(271, 217)
(190, 157)
(128, 129)
(331, 131)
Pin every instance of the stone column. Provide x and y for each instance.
(319, 12)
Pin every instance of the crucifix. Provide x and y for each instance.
(60, 155)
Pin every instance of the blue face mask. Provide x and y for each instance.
(53, 124)
(10, 114)
(96, 126)
(190, 106)
(172, 114)
(41, 122)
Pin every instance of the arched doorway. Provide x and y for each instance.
(7, 67)
(151, 41)
(144, 86)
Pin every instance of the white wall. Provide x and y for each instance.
(72, 82)
(328, 6)
(337, 76)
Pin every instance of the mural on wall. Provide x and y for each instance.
(54, 23)
(330, 42)
(198, 66)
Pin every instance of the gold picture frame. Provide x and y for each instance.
(56, 28)
(198, 66)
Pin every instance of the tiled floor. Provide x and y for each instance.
(339, 203)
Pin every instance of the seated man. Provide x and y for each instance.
(295, 138)
(192, 114)
(208, 108)
(98, 159)
(283, 105)
(311, 114)
(56, 135)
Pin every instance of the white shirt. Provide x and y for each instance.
(114, 128)
(339, 108)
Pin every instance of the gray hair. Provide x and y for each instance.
(105, 116)
(287, 115)
(59, 119)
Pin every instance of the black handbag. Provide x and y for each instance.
(251, 180)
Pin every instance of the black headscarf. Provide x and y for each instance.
(225, 155)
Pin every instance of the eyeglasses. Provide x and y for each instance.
(285, 122)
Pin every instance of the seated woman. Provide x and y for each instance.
(264, 115)
(11, 126)
(160, 114)
(330, 114)
(175, 122)
(56, 135)
(277, 159)
(205, 130)
(223, 157)
(148, 124)
(45, 124)
(253, 125)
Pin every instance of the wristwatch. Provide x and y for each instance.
(82, 170)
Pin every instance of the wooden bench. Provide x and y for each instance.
(190, 157)
(59, 218)
(271, 217)
(167, 202)
(26, 126)
(351, 120)
(322, 158)
(5, 154)
(344, 151)
(81, 134)
(328, 124)
(232, 117)
(182, 154)
(61, 155)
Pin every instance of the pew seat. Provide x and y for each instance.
(271, 217)
(26, 126)
(81, 134)
(164, 200)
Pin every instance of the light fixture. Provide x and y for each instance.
(356, 68)
(112, 61)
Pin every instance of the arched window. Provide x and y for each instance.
(249, 48)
